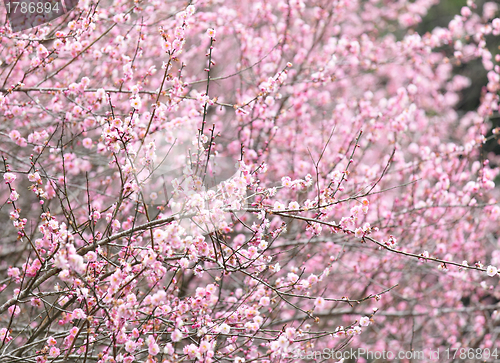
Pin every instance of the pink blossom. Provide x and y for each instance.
(364, 321)
(87, 143)
(491, 271)
(14, 135)
(51, 341)
(5, 335)
(14, 195)
(278, 206)
(153, 347)
(205, 347)
(224, 329)
(320, 303)
(191, 350)
(465, 11)
(9, 178)
(35, 177)
(264, 301)
(211, 32)
(54, 352)
(136, 103)
(176, 335)
(14, 310)
(168, 349)
(78, 314)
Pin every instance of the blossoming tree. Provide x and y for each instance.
(239, 181)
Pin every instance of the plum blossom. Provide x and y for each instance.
(224, 329)
(87, 143)
(491, 271)
(211, 32)
(320, 303)
(176, 335)
(153, 347)
(54, 352)
(14, 195)
(9, 178)
(192, 351)
(278, 206)
(364, 321)
(136, 103)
